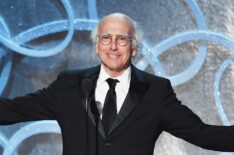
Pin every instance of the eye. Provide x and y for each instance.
(106, 37)
(122, 38)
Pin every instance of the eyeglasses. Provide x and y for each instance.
(106, 39)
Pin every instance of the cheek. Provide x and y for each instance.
(102, 48)
(99, 50)
(127, 53)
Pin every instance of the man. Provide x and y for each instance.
(145, 105)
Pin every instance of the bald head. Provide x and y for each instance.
(117, 17)
(134, 31)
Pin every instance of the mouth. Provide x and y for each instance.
(113, 56)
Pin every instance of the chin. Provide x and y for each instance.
(116, 68)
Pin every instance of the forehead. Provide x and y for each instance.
(115, 25)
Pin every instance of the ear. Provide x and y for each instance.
(134, 51)
(96, 48)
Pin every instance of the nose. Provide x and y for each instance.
(114, 44)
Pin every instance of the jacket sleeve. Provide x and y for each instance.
(181, 122)
(40, 105)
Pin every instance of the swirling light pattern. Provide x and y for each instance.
(5, 56)
(150, 57)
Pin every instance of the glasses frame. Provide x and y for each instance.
(117, 38)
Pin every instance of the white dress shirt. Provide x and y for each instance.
(121, 88)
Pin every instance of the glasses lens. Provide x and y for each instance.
(106, 39)
(122, 40)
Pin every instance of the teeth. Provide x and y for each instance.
(112, 56)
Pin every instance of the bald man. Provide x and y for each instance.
(134, 107)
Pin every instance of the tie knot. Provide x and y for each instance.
(112, 83)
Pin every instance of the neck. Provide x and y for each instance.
(115, 72)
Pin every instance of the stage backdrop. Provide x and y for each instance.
(188, 41)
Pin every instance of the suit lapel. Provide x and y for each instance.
(100, 126)
(93, 75)
(137, 89)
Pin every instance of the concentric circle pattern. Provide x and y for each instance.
(150, 57)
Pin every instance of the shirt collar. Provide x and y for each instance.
(123, 78)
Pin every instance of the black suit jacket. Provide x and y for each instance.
(150, 107)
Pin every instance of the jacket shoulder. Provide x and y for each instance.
(74, 75)
(78, 72)
(151, 78)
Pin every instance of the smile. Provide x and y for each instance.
(113, 55)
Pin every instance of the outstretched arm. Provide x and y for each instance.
(180, 121)
(40, 105)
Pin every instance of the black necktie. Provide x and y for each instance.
(110, 108)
